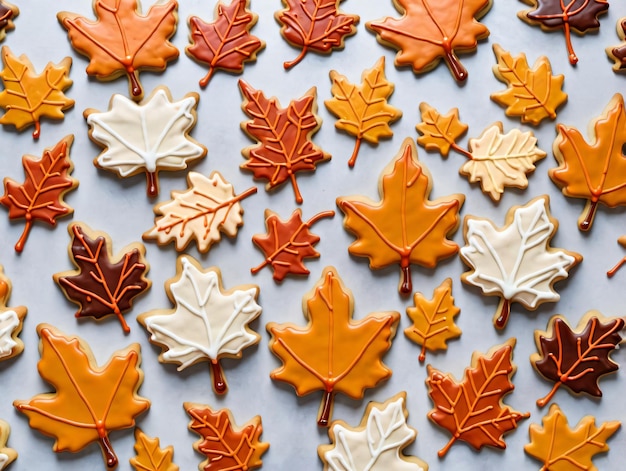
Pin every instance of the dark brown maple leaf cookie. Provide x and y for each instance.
(7, 13)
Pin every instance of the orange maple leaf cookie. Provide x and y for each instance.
(27, 96)
(333, 353)
(150, 456)
(89, 400)
(430, 30)
(122, 40)
(405, 227)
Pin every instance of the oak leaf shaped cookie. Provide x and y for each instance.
(404, 227)
(429, 31)
(579, 16)
(496, 160)
(618, 53)
(577, 358)
(594, 171)
(433, 319)
(532, 94)
(516, 261)
(146, 137)
(208, 323)
(283, 135)
(362, 109)
(208, 207)
(7, 13)
(472, 410)
(333, 353)
(288, 243)
(314, 25)
(226, 43)
(122, 40)
(225, 445)
(103, 285)
(377, 443)
(150, 457)
(40, 197)
(561, 448)
(89, 400)
(27, 96)
(11, 321)
(7, 455)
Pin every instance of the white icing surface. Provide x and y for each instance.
(8, 323)
(4, 460)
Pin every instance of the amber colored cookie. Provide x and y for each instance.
(123, 41)
(150, 456)
(428, 32)
(11, 322)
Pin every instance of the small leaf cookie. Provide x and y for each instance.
(225, 445)
(11, 322)
(89, 401)
(27, 96)
(7, 455)
(8, 13)
(516, 261)
(208, 207)
(208, 322)
(362, 109)
(150, 457)
(562, 448)
(103, 285)
(532, 94)
(377, 443)
(405, 227)
(618, 53)
(577, 358)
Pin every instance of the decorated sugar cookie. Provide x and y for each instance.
(150, 457)
(516, 261)
(11, 322)
(89, 401)
(149, 136)
(7, 455)
(8, 13)
(618, 53)
(208, 322)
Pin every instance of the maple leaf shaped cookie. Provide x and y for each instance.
(11, 322)
(89, 400)
(618, 53)
(376, 444)
(7, 455)
(103, 285)
(561, 448)
(40, 197)
(594, 171)
(288, 243)
(472, 410)
(495, 159)
(314, 25)
(146, 137)
(362, 109)
(208, 207)
(433, 320)
(122, 40)
(226, 43)
(7, 13)
(431, 30)
(333, 353)
(577, 358)
(225, 445)
(283, 135)
(516, 261)
(404, 227)
(150, 457)
(580, 16)
(208, 323)
(27, 96)
(532, 94)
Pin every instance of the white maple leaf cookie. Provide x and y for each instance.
(7, 455)
(516, 261)
(208, 322)
(11, 319)
(146, 137)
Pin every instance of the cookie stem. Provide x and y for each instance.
(289, 65)
(152, 183)
(502, 313)
(135, 87)
(406, 284)
(110, 457)
(219, 383)
(204, 81)
(573, 59)
(457, 69)
(544, 400)
(613, 270)
(586, 219)
(355, 152)
(326, 409)
(19, 246)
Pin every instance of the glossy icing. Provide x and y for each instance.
(208, 322)
(89, 401)
(332, 353)
(11, 321)
(618, 53)
(405, 227)
(430, 30)
(376, 444)
(122, 40)
(516, 261)
(150, 457)
(146, 137)
(208, 207)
